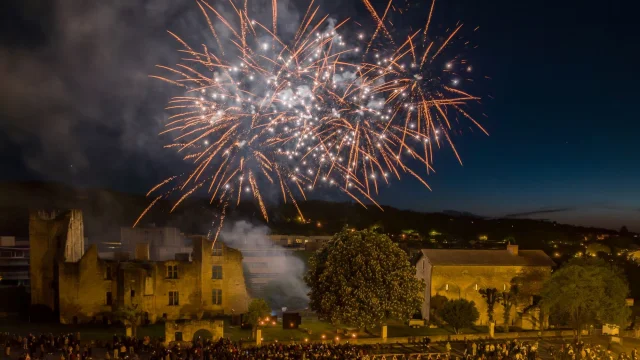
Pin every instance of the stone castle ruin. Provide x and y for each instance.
(77, 286)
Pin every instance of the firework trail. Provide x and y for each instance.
(307, 111)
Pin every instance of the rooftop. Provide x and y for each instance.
(487, 257)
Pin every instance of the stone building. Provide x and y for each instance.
(458, 274)
(207, 282)
(54, 238)
(14, 262)
(300, 242)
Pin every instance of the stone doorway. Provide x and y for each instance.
(202, 334)
(191, 329)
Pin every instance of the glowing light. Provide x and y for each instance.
(276, 107)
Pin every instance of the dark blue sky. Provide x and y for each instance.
(563, 124)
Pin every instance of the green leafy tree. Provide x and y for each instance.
(362, 278)
(131, 316)
(587, 291)
(459, 314)
(258, 309)
(491, 296)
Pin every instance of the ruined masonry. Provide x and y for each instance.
(78, 286)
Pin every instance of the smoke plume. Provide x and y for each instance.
(288, 289)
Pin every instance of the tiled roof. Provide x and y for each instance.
(487, 257)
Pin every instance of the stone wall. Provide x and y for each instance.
(74, 242)
(83, 289)
(54, 237)
(234, 292)
(451, 337)
(188, 329)
(146, 286)
(456, 282)
(423, 272)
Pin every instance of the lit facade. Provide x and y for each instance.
(458, 274)
(82, 287)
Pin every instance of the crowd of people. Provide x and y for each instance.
(581, 351)
(521, 350)
(69, 347)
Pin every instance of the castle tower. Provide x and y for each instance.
(74, 248)
(54, 237)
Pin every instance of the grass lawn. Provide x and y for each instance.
(399, 329)
(311, 324)
(316, 328)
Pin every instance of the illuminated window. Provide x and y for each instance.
(446, 287)
(216, 297)
(174, 298)
(475, 287)
(216, 272)
(504, 287)
(172, 271)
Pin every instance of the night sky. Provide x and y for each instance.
(77, 106)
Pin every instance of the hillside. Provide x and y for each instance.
(105, 211)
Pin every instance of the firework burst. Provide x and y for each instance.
(307, 111)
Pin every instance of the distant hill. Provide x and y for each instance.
(105, 211)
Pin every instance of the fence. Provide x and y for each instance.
(451, 337)
(414, 356)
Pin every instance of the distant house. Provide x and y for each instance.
(14, 262)
(458, 274)
(300, 242)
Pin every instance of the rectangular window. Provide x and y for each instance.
(107, 273)
(216, 250)
(133, 293)
(172, 271)
(217, 297)
(109, 298)
(216, 272)
(174, 298)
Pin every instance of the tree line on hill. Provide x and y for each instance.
(106, 211)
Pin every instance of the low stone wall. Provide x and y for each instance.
(451, 337)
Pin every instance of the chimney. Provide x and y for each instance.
(142, 252)
(513, 249)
